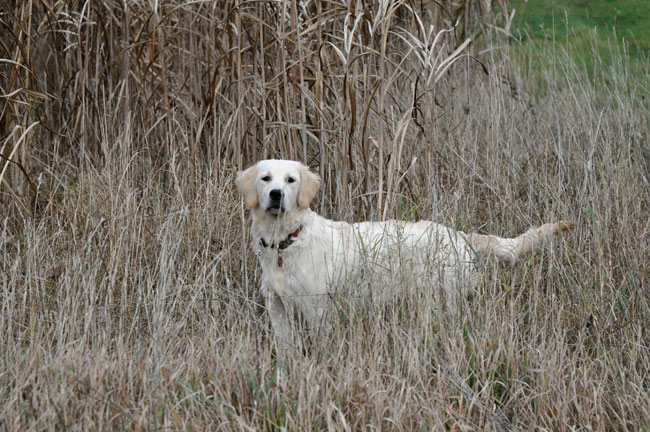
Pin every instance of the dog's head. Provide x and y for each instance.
(277, 186)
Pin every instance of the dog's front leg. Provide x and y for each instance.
(286, 340)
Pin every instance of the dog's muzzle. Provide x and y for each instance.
(275, 201)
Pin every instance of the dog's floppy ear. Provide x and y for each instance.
(246, 186)
(309, 184)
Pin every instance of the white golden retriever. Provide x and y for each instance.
(308, 260)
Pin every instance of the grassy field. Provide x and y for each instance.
(128, 290)
(595, 32)
(627, 19)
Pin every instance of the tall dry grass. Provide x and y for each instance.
(129, 293)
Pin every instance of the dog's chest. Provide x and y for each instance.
(295, 282)
(292, 273)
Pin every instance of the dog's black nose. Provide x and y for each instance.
(276, 194)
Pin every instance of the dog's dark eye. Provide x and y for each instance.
(290, 179)
(266, 178)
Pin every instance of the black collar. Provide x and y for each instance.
(284, 243)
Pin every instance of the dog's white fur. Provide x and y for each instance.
(307, 260)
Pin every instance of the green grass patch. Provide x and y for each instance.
(569, 19)
(595, 33)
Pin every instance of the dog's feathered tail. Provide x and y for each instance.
(513, 249)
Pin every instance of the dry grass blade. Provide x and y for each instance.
(14, 149)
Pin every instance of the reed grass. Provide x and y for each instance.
(129, 293)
